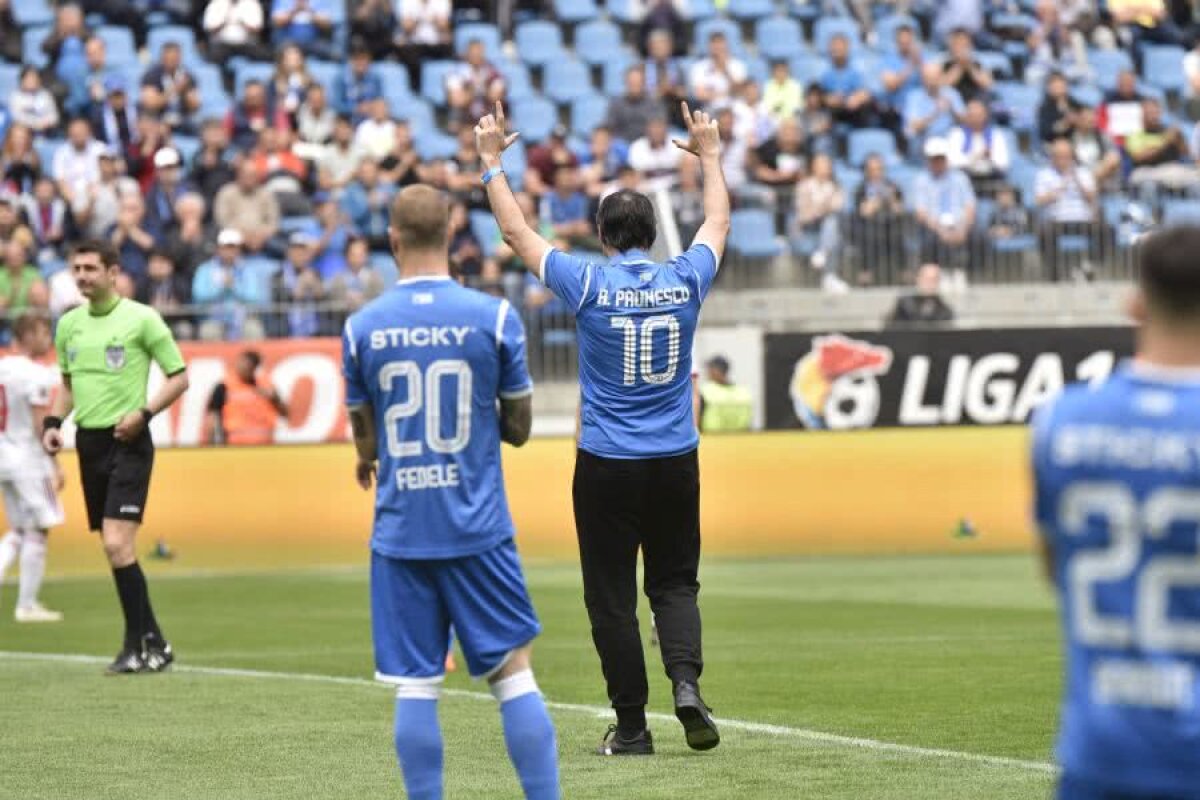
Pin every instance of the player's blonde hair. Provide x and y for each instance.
(420, 218)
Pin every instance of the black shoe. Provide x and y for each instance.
(128, 662)
(699, 727)
(614, 744)
(157, 653)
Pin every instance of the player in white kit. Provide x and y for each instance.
(30, 479)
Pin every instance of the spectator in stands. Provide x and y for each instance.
(687, 199)
(629, 113)
(235, 28)
(32, 105)
(424, 34)
(229, 289)
(1010, 219)
(358, 283)
(339, 162)
(96, 210)
(290, 81)
(545, 159)
(1093, 149)
(298, 286)
(783, 96)
(247, 207)
(466, 254)
(315, 119)
(962, 72)
(778, 163)
(211, 170)
(931, 111)
(373, 22)
(20, 164)
(567, 209)
(602, 160)
(114, 121)
(1055, 116)
(655, 157)
(63, 48)
(816, 123)
(735, 149)
(305, 23)
(365, 203)
(463, 171)
(165, 192)
(170, 91)
(130, 237)
(474, 86)
(402, 166)
(750, 117)
(358, 85)
(76, 164)
(661, 16)
(10, 34)
(664, 77)
(330, 232)
(1150, 22)
(12, 228)
(47, 216)
(1157, 151)
(713, 78)
(878, 219)
(513, 270)
(901, 74)
(281, 171)
(246, 120)
(925, 305)
(164, 289)
(21, 285)
(979, 148)
(819, 204)
(944, 208)
(87, 89)
(1054, 47)
(190, 242)
(139, 157)
(376, 135)
(1121, 114)
(846, 92)
(1066, 194)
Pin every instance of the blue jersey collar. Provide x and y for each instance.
(631, 257)
(1155, 373)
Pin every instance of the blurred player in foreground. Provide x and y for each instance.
(104, 351)
(435, 378)
(30, 478)
(1117, 472)
(637, 473)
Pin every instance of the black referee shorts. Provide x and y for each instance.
(115, 475)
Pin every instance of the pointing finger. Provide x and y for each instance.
(687, 113)
(512, 137)
(500, 114)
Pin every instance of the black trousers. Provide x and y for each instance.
(653, 505)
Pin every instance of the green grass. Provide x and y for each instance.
(947, 653)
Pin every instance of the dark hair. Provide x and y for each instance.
(109, 257)
(28, 68)
(163, 253)
(29, 320)
(1167, 271)
(171, 45)
(351, 241)
(253, 356)
(626, 221)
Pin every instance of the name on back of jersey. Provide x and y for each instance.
(423, 336)
(1135, 448)
(1164, 685)
(433, 476)
(645, 298)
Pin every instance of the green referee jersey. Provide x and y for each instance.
(107, 356)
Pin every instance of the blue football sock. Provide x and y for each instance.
(419, 747)
(529, 734)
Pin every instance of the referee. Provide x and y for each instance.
(104, 350)
(637, 480)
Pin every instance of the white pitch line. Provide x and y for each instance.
(765, 729)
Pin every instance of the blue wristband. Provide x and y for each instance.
(491, 173)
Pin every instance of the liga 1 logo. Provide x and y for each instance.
(835, 386)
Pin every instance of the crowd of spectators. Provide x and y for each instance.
(894, 141)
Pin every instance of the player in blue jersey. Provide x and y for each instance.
(435, 379)
(1118, 498)
(637, 477)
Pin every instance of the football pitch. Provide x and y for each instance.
(898, 677)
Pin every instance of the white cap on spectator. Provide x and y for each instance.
(936, 147)
(230, 237)
(166, 157)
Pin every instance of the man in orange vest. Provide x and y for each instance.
(244, 411)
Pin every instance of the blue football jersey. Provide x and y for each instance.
(431, 358)
(635, 320)
(1118, 497)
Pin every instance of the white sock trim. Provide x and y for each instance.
(414, 688)
(515, 686)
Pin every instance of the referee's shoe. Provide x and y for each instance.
(154, 655)
(698, 725)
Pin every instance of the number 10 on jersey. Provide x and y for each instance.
(638, 348)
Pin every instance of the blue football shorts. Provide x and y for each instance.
(1072, 788)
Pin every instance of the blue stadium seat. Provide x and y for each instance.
(516, 79)
(486, 231)
(188, 147)
(325, 72)
(433, 80)
(415, 111)
(752, 234)
(704, 31)
(515, 163)
(829, 27)
(384, 265)
(29, 13)
(808, 68)
(251, 71)
(779, 38)
(613, 81)
(757, 69)
(1106, 65)
(46, 149)
(539, 42)
(489, 34)
(751, 9)
(575, 11)
(996, 63)
(1162, 67)
(885, 30)
(432, 145)
(1179, 211)
(624, 11)
(805, 10)
(1088, 95)
(866, 141)
(31, 45)
(587, 112)
(1022, 174)
(10, 76)
(534, 118)
(597, 41)
(394, 77)
(1022, 102)
(570, 79)
(119, 42)
(177, 34)
(697, 10)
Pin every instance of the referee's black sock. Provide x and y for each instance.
(135, 604)
(630, 721)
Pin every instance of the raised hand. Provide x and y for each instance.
(491, 136)
(703, 137)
